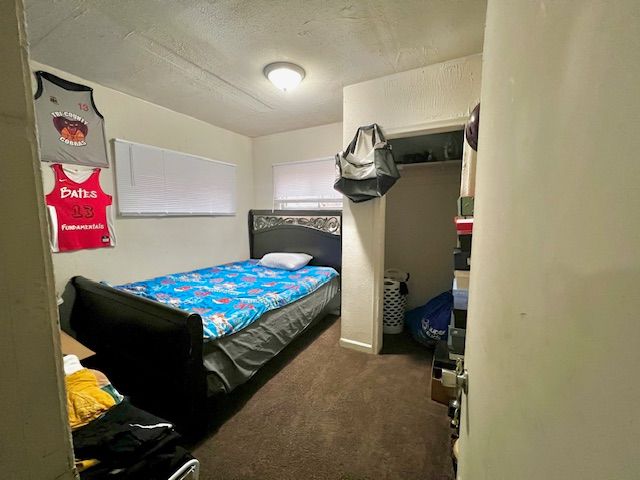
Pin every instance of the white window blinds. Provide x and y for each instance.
(155, 181)
(305, 185)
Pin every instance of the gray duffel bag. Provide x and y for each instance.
(366, 168)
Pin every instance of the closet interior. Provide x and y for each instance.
(420, 233)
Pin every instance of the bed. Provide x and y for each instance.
(167, 360)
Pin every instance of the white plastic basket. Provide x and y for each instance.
(394, 307)
(396, 274)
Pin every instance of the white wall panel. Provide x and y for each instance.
(552, 338)
(35, 440)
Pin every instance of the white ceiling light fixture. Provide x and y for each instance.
(284, 75)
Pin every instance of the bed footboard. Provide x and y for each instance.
(151, 352)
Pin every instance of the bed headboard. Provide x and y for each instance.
(316, 232)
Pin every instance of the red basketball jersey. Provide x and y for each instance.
(78, 212)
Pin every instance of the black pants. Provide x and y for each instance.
(130, 444)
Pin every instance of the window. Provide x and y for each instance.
(305, 185)
(155, 181)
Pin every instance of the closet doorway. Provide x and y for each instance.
(420, 233)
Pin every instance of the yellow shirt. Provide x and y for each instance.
(86, 401)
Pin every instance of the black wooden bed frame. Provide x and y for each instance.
(316, 232)
(153, 352)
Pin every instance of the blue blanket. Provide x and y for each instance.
(230, 297)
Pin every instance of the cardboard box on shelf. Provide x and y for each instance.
(465, 242)
(464, 225)
(440, 393)
(459, 318)
(457, 340)
(462, 279)
(461, 259)
(465, 206)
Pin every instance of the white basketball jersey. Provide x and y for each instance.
(70, 127)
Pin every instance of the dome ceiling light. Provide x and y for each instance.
(284, 75)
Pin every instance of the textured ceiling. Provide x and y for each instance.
(205, 58)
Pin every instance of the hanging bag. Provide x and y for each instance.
(366, 169)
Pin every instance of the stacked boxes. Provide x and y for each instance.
(450, 353)
(462, 267)
(462, 254)
(460, 289)
(447, 352)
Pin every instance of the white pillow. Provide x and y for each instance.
(285, 261)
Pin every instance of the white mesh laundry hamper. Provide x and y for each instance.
(394, 307)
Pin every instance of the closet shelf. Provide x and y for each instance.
(403, 166)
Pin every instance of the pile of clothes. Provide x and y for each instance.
(112, 438)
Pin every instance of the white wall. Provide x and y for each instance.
(420, 235)
(34, 434)
(423, 100)
(553, 330)
(304, 144)
(148, 247)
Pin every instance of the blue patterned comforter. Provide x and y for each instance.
(230, 297)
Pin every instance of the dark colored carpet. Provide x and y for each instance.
(319, 411)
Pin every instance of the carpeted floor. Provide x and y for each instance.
(319, 411)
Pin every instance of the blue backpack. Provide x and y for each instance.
(430, 322)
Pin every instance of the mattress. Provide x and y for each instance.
(231, 297)
(233, 359)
